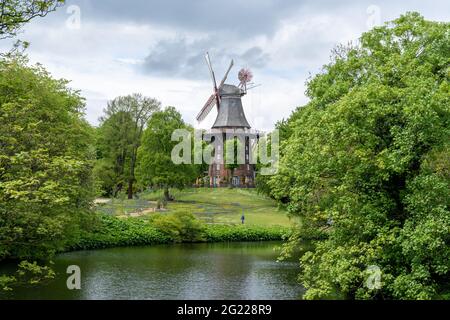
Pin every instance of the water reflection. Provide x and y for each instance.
(197, 271)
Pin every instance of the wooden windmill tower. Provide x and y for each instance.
(230, 118)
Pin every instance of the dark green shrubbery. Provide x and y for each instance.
(114, 232)
(226, 233)
(180, 226)
(110, 231)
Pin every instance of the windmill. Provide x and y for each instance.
(214, 99)
(230, 115)
(245, 77)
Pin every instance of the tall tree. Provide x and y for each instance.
(120, 135)
(15, 13)
(366, 166)
(155, 163)
(114, 141)
(46, 159)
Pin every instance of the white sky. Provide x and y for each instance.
(156, 47)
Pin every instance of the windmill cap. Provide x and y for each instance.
(231, 113)
(230, 90)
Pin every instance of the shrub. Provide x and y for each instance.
(114, 232)
(180, 226)
(227, 233)
(110, 231)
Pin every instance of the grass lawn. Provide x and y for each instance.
(225, 206)
(123, 207)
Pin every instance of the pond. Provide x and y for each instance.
(185, 271)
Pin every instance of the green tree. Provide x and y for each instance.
(285, 130)
(366, 165)
(119, 138)
(114, 141)
(156, 167)
(46, 160)
(15, 13)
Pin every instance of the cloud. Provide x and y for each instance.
(176, 58)
(256, 57)
(181, 57)
(157, 48)
(245, 17)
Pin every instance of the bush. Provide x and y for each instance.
(226, 233)
(180, 226)
(110, 231)
(114, 232)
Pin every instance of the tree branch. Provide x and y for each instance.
(15, 13)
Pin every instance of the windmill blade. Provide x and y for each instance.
(226, 74)
(213, 77)
(207, 108)
(216, 93)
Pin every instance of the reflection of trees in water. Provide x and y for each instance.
(185, 271)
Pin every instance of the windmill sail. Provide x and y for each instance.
(207, 108)
(213, 77)
(226, 74)
(214, 99)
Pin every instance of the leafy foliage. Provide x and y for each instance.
(180, 226)
(26, 274)
(45, 162)
(15, 13)
(154, 156)
(227, 233)
(45, 168)
(118, 140)
(110, 231)
(365, 165)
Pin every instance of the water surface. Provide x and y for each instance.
(185, 271)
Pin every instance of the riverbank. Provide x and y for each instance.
(109, 232)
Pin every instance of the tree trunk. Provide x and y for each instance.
(118, 189)
(130, 189)
(166, 194)
(131, 179)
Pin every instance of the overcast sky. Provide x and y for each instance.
(108, 48)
